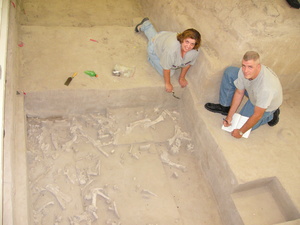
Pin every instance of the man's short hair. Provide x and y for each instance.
(251, 55)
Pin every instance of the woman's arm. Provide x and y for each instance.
(182, 81)
(167, 77)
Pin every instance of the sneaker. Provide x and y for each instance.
(137, 27)
(275, 119)
(217, 108)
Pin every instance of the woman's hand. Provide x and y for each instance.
(183, 82)
(169, 87)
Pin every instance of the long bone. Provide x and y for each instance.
(166, 160)
(132, 125)
(157, 120)
(61, 197)
(113, 208)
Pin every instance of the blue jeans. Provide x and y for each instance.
(227, 91)
(154, 60)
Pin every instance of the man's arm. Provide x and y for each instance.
(182, 81)
(257, 115)
(167, 77)
(236, 101)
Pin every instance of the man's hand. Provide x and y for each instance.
(236, 133)
(169, 87)
(183, 82)
(227, 121)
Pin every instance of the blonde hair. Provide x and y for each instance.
(252, 55)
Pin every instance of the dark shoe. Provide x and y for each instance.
(217, 108)
(137, 26)
(275, 119)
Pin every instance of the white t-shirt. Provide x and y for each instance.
(168, 50)
(264, 91)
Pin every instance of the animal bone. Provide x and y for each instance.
(44, 206)
(178, 134)
(95, 192)
(61, 197)
(176, 146)
(147, 192)
(113, 207)
(136, 123)
(169, 114)
(72, 177)
(76, 220)
(157, 120)
(97, 144)
(166, 160)
(145, 147)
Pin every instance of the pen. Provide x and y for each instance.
(225, 120)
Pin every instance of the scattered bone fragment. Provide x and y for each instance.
(68, 144)
(42, 175)
(175, 175)
(166, 111)
(61, 197)
(86, 185)
(79, 219)
(146, 193)
(44, 207)
(92, 209)
(165, 159)
(145, 147)
(176, 146)
(58, 220)
(134, 155)
(71, 174)
(190, 147)
(113, 207)
(82, 176)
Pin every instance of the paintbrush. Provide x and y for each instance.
(68, 81)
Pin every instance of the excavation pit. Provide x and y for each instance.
(129, 165)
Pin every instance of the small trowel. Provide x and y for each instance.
(68, 81)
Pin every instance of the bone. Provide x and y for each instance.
(169, 114)
(113, 208)
(165, 159)
(136, 123)
(152, 123)
(44, 206)
(71, 177)
(176, 146)
(67, 145)
(178, 134)
(92, 210)
(147, 192)
(145, 147)
(78, 219)
(134, 155)
(94, 193)
(61, 197)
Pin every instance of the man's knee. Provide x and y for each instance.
(231, 71)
